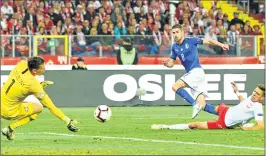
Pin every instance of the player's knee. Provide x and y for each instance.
(175, 87)
(178, 84)
(216, 109)
(38, 108)
(192, 125)
(33, 117)
(201, 99)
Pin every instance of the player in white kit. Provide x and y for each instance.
(231, 117)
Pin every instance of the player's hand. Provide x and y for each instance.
(168, 63)
(46, 83)
(165, 62)
(235, 88)
(225, 46)
(72, 126)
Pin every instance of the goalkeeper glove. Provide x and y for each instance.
(71, 126)
(46, 83)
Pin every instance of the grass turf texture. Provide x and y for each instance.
(48, 135)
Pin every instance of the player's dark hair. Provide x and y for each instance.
(262, 87)
(179, 26)
(35, 62)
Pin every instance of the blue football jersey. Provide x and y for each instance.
(187, 52)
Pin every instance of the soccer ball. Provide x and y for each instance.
(102, 113)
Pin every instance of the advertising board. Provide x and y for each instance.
(117, 85)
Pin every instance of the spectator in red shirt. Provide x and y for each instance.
(40, 15)
(249, 27)
(21, 48)
(68, 25)
(150, 22)
(256, 30)
(245, 30)
(128, 8)
(48, 23)
(18, 6)
(102, 14)
(79, 14)
(107, 5)
(77, 20)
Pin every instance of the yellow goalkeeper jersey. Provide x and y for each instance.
(20, 84)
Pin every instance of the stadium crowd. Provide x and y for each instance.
(146, 22)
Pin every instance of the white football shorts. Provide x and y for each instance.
(196, 81)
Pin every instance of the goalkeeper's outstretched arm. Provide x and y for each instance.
(46, 100)
(37, 89)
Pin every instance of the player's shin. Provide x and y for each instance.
(210, 109)
(185, 95)
(22, 121)
(179, 126)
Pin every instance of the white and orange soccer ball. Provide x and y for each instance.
(102, 113)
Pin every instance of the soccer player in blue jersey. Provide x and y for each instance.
(186, 50)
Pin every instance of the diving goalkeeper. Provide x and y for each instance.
(20, 84)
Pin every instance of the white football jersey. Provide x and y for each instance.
(243, 112)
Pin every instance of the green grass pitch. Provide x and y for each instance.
(129, 133)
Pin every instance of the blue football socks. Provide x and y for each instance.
(210, 109)
(185, 95)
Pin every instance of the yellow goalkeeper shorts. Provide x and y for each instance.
(21, 110)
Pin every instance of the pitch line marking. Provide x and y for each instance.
(147, 140)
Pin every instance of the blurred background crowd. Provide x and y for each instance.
(101, 25)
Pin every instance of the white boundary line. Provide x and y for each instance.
(146, 140)
(145, 67)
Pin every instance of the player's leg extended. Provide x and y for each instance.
(26, 113)
(198, 125)
(192, 125)
(178, 88)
